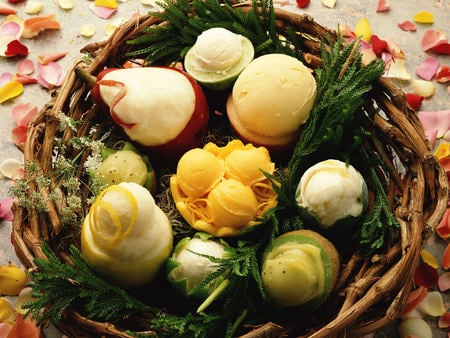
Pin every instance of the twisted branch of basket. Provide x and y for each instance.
(364, 284)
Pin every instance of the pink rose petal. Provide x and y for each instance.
(19, 135)
(408, 26)
(5, 209)
(47, 58)
(5, 78)
(428, 68)
(22, 114)
(436, 121)
(25, 79)
(11, 28)
(25, 67)
(432, 38)
(383, 6)
(103, 12)
(50, 75)
(444, 282)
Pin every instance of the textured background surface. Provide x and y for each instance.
(67, 39)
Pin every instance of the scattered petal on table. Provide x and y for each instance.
(106, 3)
(432, 38)
(424, 17)
(444, 282)
(414, 299)
(425, 275)
(432, 304)
(23, 298)
(415, 327)
(25, 67)
(438, 120)
(394, 49)
(5, 78)
(22, 114)
(47, 58)
(50, 75)
(428, 68)
(443, 230)
(25, 79)
(19, 135)
(10, 90)
(33, 7)
(395, 68)
(407, 26)
(443, 74)
(383, 6)
(88, 30)
(9, 168)
(11, 28)
(443, 48)
(6, 9)
(33, 26)
(423, 88)
(25, 327)
(102, 12)
(444, 321)
(16, 48)
(378, 45)
(428, 258)
(329, 3)
(300, 3)
(442, 151)
(65, 4)
(7, 313)
(363, 29)
(5, 209)
(414, 100)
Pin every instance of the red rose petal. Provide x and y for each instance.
(383, 6)
(415, 297)
(432, 38)
(425, 275)
(15, 48)
(444, 321)
(443, 74)
(443, 48)
(414, 100)
(378, 45)
(303, 3)
(428, 68)
(407, 26)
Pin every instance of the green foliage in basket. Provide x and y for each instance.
(164, 44)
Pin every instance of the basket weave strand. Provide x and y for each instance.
(370, 292)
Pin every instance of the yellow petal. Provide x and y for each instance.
(12, 280)
(106, 3)
(7, 314)
(363, 30)
(424, 17)
(10, 90)
(23, 298)
(442, 151)
(428, 258)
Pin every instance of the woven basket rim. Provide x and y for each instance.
(423, 201)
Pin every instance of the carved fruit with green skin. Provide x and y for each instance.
(300, 270)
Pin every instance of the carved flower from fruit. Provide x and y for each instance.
(223, 190)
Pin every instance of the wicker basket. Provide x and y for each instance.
(370, 292)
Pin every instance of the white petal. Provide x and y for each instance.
(432, 304)
(65, 4)
(414, 327)
(87, 30)
(9, 168)
(423, 88)
(33, 7)
(329, 3)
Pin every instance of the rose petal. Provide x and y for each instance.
(11, 28)
(5, 209)
(378, 45)
(33, 7)
(425, 275)
(19, 135)
(87, 30)
(414, 101)
(442, 48)
(423, 88)
(363, 29)
(65, 4)
(25, 327)
(102, 12)
(22, 114)
(6, 9)
(432, 304)
(50, 75)
(9, 168)
(33, 26)
(329, 3)
(15, 48)
(23, 298)
(407, 26)
(303, 3)
(5, 78)
(415, 327)
(25, 79)
(444, 282)
(443, 230)
(428, 68)
(424, 17)
(383, 6)
(438, 120)
(394, 49)
(25, 67)
(106, 3)
(47, 58)
(432, 38)
(428, 258)
(442, 150)
(443, 74)
(10, 90)
(444, 321)
(395, 68)
(414, 299)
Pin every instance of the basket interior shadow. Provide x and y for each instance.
(370, 291)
